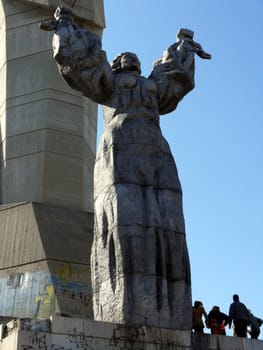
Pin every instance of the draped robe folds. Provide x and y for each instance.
(140, 268)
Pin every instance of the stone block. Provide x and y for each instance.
(45, 126)
(91, 11)
(25, 114)
(31, 340)
(90, 124)
(72, 334)
(9, 343)
(60, 324)
(63, 181)
(44, 257)
(15, 176)
(88, 186)
(24, 38)
(35, 67)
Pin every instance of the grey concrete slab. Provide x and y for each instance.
(44, 258)
(73, 334)
(40, 114)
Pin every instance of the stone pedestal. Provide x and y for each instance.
(73, 334)
(45, 268)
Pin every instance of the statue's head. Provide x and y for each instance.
(185, 33)
(126, 61)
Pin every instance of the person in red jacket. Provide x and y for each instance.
(217, 321)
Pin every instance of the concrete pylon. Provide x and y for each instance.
(48, 144)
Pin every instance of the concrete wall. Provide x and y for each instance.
(76, 334)
(92, 11)
(48, 132)
(47, 151)
(44, 259)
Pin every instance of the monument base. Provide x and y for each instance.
(62, 333)
(45, 268)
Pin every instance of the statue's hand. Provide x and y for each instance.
(48, 25)
(61, 13)
(72, 45)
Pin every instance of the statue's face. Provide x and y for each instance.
(130, 62)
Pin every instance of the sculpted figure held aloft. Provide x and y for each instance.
(139, 263)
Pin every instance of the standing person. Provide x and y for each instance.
(238, 312)
(217, 321)
(198, 313)
(254, 325)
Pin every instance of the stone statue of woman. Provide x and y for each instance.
(139, 263)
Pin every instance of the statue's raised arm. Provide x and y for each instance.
(174, 71)
(82, 62)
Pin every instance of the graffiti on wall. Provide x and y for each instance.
(123, 338)
(39, 294)
(70, 341)
(38, 341)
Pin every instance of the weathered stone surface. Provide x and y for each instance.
(140, 265)
(44, 258)
(48, 132)
(73, 334)
(91, 11)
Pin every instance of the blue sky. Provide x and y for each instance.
(215, 134)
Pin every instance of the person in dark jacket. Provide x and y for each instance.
(254, 325)
(217, 321)
(238, 312)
